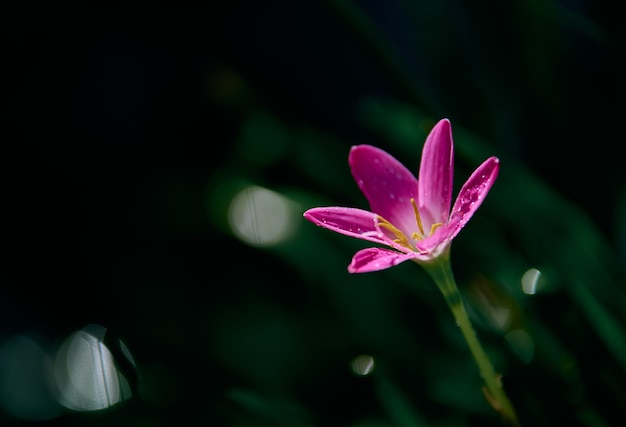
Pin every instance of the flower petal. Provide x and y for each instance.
(387, 185)
(375, 259)
(349, 221)
(472, 195)
(436, 175)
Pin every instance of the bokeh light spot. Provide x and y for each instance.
(86, 374)
(26, 388)
(261, 217)
(531, 281)
(363, 365)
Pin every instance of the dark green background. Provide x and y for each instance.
(124, 122)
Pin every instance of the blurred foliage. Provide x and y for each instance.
(130, 128)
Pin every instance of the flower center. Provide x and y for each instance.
(418, 235)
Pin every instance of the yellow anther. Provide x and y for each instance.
(434, 227)
(418, 217)
(400, 237)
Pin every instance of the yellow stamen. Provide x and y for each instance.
(434, 227)
(418, 217)
(400, 237)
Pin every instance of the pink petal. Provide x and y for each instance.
(349, 221)
(472, 195)
(375, 259)
(436, 175)
(386, 183)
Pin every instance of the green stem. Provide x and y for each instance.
(441, 272)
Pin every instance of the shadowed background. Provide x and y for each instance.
(157, 158)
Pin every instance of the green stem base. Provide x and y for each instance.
(440, 271)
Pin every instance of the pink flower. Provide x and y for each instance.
(410, 216)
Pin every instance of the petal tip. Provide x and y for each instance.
(361, 147)
(445, 122)
(441, 132)
(354, 150)
(495, 163)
